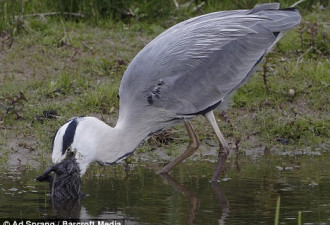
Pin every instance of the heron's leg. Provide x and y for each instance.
(192, 147)
(224, 151)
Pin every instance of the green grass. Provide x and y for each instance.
(14, 14)
(277, 212)
(277, 113)
(75, 68)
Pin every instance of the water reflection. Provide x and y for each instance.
(189, 194)
(184, 197)
(73, 209)
(223, 203)
(67, 208)
(195, 202)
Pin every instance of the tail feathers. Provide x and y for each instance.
(280, 19)
(263, 7)
(277, 20)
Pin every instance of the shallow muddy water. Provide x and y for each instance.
(247, 195)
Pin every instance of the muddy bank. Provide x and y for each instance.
(28, 154)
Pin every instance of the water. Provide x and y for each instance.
(246, 196)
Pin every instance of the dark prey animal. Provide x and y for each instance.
(66, 182)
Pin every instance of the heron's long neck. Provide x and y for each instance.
(119, 142)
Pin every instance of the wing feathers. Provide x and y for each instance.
(203, 59)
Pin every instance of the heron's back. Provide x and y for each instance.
(192, 66)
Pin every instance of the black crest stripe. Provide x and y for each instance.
(69, 134)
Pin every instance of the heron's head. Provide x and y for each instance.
(63, 140)
(81, 137)
(82, 161)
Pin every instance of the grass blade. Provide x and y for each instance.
(299, 218)
(277, 213)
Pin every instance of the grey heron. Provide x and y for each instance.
(188, 70)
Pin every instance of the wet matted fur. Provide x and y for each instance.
(66, 182)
